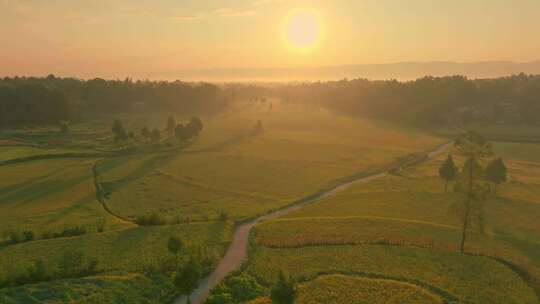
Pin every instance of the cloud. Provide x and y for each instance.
(231, 13)
(225, 12)
(186, 18)
(265, 2)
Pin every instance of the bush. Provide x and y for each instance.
(28, 235)
(284, 292)
(150, 220)
(73, 231)
(237, 288)
(15, 237)
(187, 278)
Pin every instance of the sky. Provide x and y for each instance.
(151, 38)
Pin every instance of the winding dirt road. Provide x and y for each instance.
(237, 251)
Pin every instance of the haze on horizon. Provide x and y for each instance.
(211, 39)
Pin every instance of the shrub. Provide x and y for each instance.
(187, 278)
(150, 220)
(28, 235)
(284, 292)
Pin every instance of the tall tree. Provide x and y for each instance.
(284, 292)
(448, 171)
(469, 209)
(496, 172)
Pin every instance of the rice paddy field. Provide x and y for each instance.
(132, 249)
(102, 289)
(406, 215)
(249, 174)
(230, 169)
(391, 240)
(464, 278)
(49, 195)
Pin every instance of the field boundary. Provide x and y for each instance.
(527, 278)
(100, 196)
(49, 156)
(446, 297)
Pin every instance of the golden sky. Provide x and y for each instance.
(148, 38)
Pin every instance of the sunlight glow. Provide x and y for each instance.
(303, 30)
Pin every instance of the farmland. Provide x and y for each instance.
(228, 174)
(392, 235)
(408, 214)
(344, 289)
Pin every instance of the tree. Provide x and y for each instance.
(175, 245)
(284, 292)
(171, 123)
(448, 171)
(469, 209)
(187, 279)
(145, 133)
(119, 131)
(496, 172)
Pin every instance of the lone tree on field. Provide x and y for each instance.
(496, 172)
(448, 171)
(284, 292)
(471, 185)
(187, 279)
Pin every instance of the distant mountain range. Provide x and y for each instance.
(399, 71)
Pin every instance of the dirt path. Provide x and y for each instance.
(237, 251)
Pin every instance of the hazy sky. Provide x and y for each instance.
(148, 38)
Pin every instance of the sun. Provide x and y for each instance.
(302, 30)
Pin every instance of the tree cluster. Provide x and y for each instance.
(428, 100)
(473, 182)
(189, 130)
(26, 101)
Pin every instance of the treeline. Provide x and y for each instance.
(429, 100)
(31, 100)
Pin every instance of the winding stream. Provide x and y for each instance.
(237, 251)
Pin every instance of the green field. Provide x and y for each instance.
(49, 195)
(385, 217)
(391, 240)
(102, 289)
(249, 175)
(467, 278)
(357, 290)
(133, 249)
